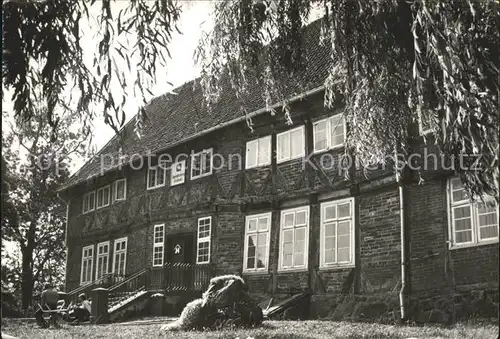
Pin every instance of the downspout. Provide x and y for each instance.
(403, 293)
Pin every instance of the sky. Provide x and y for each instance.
(195, 18)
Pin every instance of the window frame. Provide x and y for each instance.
(295, 210)
(156, 245)
(264, 269)
(97, 197)
(85, 196)
(200, 154)
(115, 252)
(115, 190)
(290, 157)
(91, 270)
(99, 256)
(204, 239)
(352, 230)
(473, 207)
(173, 171)
(267, 162)
(328, 133)
(155, 168)
(421, 129)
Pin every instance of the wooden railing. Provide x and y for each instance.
(180, 277)
(135, 282)
(170, 277)
(105, 281)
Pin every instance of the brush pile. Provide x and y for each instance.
(226, 303)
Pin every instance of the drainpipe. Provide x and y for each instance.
(403, 293)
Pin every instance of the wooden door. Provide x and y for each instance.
(181, 258)
(180, 248)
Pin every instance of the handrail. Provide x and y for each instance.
(132, 277)
(84, 287)
(180, 276)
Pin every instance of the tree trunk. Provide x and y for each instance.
(27, 282)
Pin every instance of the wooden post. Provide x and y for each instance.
(99, 306)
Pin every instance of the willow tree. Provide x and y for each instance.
(44, 62)
(392, 62)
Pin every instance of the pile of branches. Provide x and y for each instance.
(226, 303)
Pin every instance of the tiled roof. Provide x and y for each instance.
(172, 119)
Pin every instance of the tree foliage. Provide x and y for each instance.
(43, 57)
(393, 62)
(36, 165)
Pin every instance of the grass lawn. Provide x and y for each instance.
(270, 329)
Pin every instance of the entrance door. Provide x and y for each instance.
(180, 248)
(180, 260)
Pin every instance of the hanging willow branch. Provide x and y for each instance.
(391, 63)
(43, 53)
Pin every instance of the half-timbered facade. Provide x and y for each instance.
(273, 204)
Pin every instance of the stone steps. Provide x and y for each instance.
(124, 299)
(115, 299)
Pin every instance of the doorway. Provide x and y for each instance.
(180, 258)
(180, 248)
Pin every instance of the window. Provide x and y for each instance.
(201, 164)
(294, 238)
(256, 254)
(158, 244)
(102, 259)
(471, 223)
(337, 233)
(290, 144)
(120, 189)
(178, 173)
(156, 177)
(329, 133)
(103, 197)
(258, 152)
(425, 123)
(89, 202)
(120, 257)
(87, 262)
(204, 231)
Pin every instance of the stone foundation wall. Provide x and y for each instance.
(381, 308)
(463, 303)
(466, 302)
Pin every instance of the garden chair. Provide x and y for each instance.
(52, 314)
